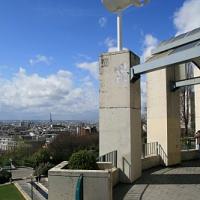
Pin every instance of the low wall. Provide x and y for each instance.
(189, 154)
(24, 194)
(97, 184)
(115, 171)
(115, 177)
(150, 161)
(153, 161)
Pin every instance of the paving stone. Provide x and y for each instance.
(175, 183)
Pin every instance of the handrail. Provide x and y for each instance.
(109, 157)
(79, 188)
(149, 149)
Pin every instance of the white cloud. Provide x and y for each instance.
(40, 59)
(187, 17)
(92, 67)
(112, 49)
(110, 42)
(39, 95)
(150, 42)
(83, 56)
(143, 85)
(102, 22)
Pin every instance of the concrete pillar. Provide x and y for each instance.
(197, 100)
(163, 118)
(120, 115)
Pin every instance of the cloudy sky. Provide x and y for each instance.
(49, 51)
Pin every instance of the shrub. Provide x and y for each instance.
(42, 169)
(4, 176)
(83, 159)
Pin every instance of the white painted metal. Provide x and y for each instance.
(185, 55)
(117, 6)
(119, 31)
(178, 41)
(187, 82)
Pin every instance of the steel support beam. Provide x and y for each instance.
(197, 63)
(173, 44)
(185, 82)
(176, 58)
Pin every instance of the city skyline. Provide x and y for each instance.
(49, 51)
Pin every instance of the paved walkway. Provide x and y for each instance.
(26, 187)
(22, 177)
(22, 173)
(178, 183)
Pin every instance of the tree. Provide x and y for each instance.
(41, 156)
(21, 155)
(42, 169)
(64, 145)
(186, 103)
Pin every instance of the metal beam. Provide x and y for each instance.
(186, 82)
(180, 57)
(197, 63)
(176, 42)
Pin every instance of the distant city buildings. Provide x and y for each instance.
(12, 133)
(7, 143)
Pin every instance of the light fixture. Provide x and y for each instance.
(117, 6)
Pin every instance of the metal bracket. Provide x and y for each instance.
(185, 82)
(195, 63)
(173, 87)
(133, 77)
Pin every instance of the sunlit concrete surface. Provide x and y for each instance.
(163, 119)
(181, 182)
(120, 113)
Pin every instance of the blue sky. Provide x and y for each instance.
(49, 51)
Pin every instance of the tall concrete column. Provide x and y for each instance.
(163, 118)
(120, 115)
(197, 100)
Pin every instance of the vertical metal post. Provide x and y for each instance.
(31, 188)
(116, 159)
(157, 153)
(197, 146)
(119, 31)
(10, 169)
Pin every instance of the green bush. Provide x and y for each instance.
(4, 176)
(42, 169)
(83, 159)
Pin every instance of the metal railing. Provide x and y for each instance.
(79, 188)
(149, 149)
(162, 154)
(109, 157)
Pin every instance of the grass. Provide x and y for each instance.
(10, 192)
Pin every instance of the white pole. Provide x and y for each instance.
(119, 31)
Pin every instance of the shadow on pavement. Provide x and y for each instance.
(185, 173)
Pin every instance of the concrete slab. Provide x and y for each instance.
(175, 183)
